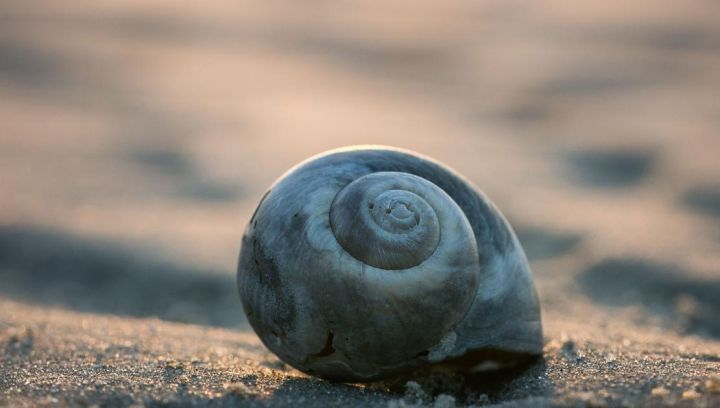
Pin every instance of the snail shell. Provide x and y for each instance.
(367, 262)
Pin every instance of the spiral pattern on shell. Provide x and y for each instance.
(386, 221)
(361, 264)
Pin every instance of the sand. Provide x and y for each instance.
(136, 140)
(53, 357)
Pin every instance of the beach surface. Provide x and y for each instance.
(136, 139)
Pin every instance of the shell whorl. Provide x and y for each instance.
(385, 220)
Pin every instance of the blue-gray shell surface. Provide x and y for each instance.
(367, 262)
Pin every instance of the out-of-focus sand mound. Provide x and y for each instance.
(136, 139)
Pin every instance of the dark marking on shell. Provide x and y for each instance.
(328, 349)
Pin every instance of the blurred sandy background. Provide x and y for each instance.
(137, 137)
